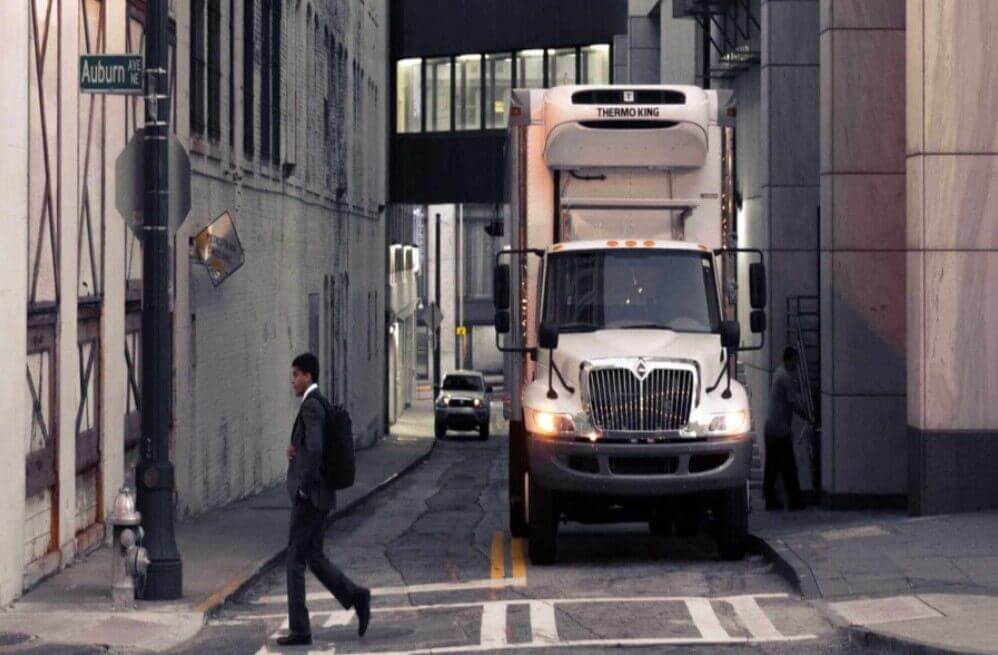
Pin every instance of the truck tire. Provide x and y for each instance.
(732, 523)
(517, 473)
(543, 524)
(439, 430)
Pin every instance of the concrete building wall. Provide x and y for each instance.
(862, 260)
(952, 265)
(233, 344)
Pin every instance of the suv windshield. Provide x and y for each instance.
(463, 383)
(589, 290)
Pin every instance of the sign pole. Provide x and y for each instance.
(154, 475)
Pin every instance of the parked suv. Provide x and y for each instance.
(463, 404)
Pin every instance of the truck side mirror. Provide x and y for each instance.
(757, 286)
(731, 335)
(502, 321)
(547, 336)
(757, 321)
(500, 287)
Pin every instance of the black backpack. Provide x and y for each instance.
(338, 466)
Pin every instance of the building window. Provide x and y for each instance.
(215, 69)
(498, 82)
(594, 66)
(249, 46)
(275, 86)
(197, 66)
(438, 94)
(530, 69)
(468, 92)
(561, 66)
(408, 95)
(265, 78)
(480, 249)
(232, 73)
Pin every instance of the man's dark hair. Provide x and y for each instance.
(307, 363)
(790, 355)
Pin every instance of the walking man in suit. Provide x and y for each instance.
(312, 498)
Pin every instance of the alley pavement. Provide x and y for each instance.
(448, 578)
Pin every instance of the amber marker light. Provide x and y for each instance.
(649, 244)
(612, 244)
(631, 244)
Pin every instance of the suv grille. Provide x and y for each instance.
(620, 401)
(461, 402)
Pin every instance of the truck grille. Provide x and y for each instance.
(620, 401)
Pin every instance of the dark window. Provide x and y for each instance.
(232, 73)
(215, 68)
(249, 45)
(275, 68)
(197, 66)
(463, 383)
(265, 78)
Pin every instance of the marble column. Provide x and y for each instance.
(952, 259)
(862, 251)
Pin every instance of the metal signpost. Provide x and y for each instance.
(154, 475)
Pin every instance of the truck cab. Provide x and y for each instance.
(619, 343)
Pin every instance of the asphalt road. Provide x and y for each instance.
(447, 578)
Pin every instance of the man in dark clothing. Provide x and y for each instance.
(311, 499)
(784, 402)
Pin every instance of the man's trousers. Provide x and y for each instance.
(780, 463)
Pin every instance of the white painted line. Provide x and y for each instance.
(582, 643)
(338, 618)
(543, 625)
(706, 619)
(493, 634)
(435, 587)
(753, 618)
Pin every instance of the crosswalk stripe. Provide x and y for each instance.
(706, 620)
(433, 587)
(753, 618)
(493, 633)
(338, 618)
(543, 625)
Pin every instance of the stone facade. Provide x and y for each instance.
(309, 217)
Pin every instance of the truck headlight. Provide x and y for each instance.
(548, 423)
(726, 424)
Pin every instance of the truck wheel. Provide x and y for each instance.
(439, 429)
(732, 523)
(517, 473)
(543, 524)
(483, 431)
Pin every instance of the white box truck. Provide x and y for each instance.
(617, 352)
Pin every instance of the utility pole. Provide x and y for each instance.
(436, 299)
(154, 474)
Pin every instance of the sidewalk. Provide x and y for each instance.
(909, 585)
(223, 551)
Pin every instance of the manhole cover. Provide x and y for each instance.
(13, 638)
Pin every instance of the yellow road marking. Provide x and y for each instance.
(498, 558)
(519, 562)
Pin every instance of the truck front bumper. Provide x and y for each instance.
(641, 470)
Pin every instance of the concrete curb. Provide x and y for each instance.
(788, 565)
(898, 645)
(236, 586)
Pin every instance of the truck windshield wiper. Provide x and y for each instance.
(578, 327)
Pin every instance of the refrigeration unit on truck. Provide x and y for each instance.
(618, 342)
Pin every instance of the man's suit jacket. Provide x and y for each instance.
(305, 470)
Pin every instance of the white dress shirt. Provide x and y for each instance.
(310, 389)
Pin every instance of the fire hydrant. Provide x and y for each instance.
(129, 560)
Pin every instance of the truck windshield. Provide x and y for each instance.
(591, 290)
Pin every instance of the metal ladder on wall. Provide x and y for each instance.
(804, 334)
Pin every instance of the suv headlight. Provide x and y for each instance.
(726, 424)
(477, 403)
(443, 400)
(548, 423)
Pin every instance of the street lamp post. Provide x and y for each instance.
(154, 475)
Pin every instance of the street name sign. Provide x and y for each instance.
(217, 246)
(118, 74)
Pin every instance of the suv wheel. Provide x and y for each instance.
(542, 523)
(439, 429)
